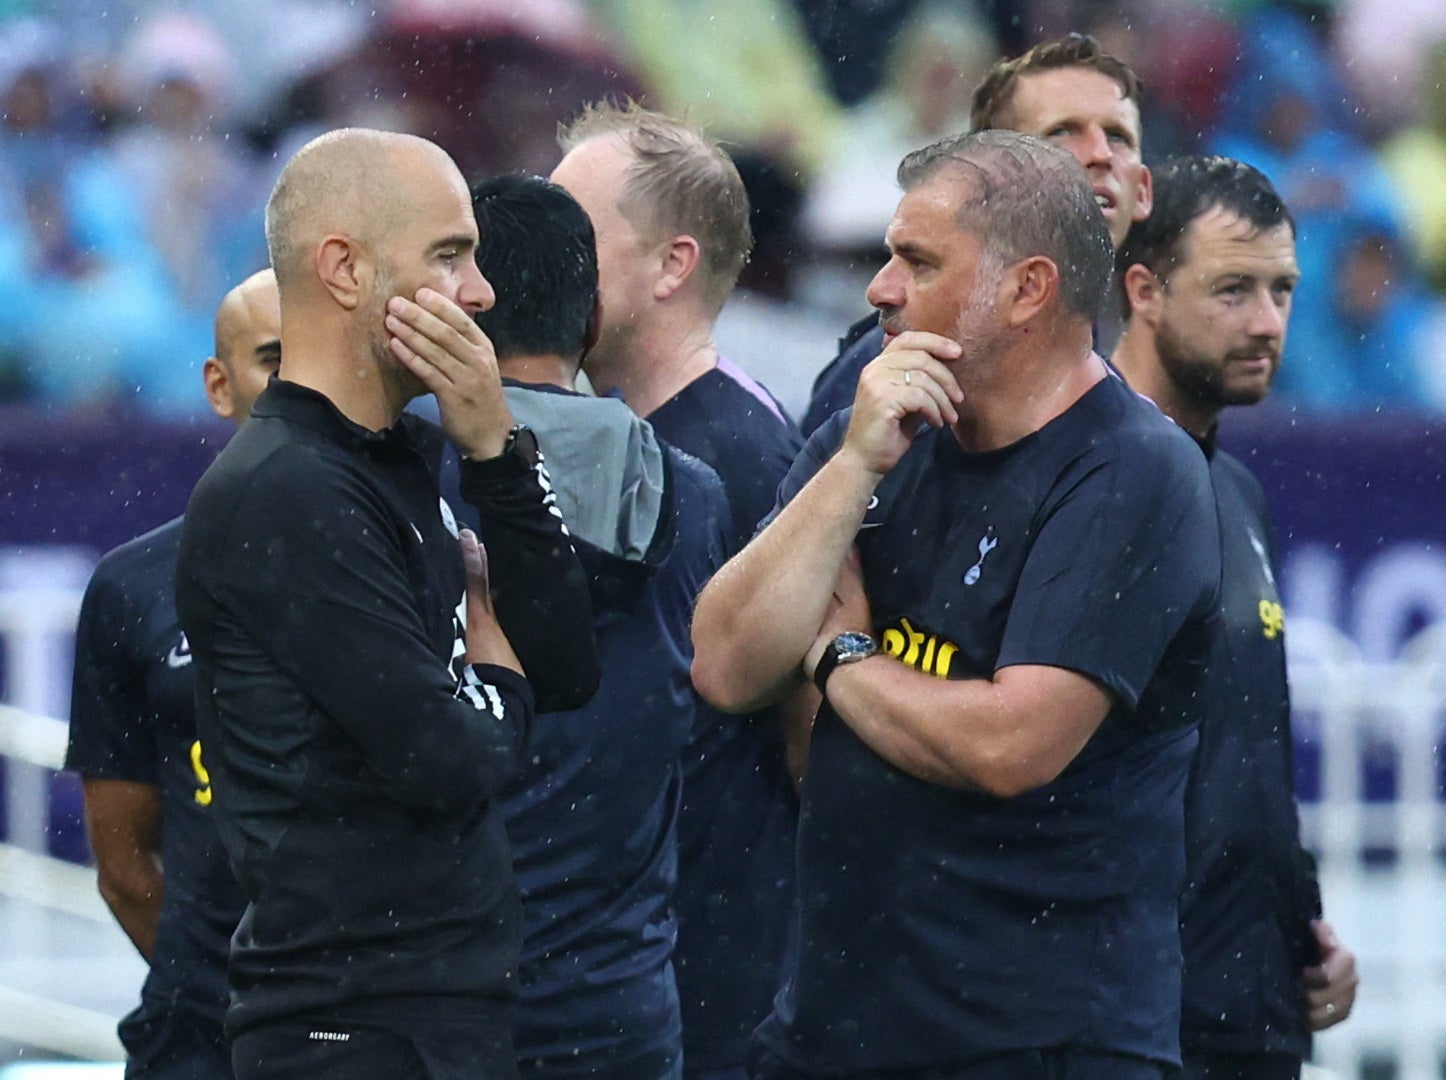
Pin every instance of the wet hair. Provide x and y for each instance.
(538, 252)
(680, 182)
(1029, 198)
(1185, 189)
(994, 96)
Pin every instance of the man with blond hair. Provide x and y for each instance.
(671, 218)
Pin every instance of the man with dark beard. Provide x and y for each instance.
(359, 691)
(1207, 282)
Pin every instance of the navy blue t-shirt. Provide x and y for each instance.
(739, 815)
(132, 717)
(940, 926)
(592, 813)
(1251, 889)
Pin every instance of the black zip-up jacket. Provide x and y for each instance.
(354, 754)
(1251, 888)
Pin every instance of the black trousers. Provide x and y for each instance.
(1059, 1064)
(335, 1048)
(1201, 1066)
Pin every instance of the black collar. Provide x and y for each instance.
(311, 409)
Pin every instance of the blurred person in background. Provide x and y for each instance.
(198, 195)
(1415, 159)
(937, 58)
(671, 217)
(1289, 117)
(746, 72)
(1208, 281)
(1371, 347)
(592, 813)
(133, 740)
(1071, 92)
(72, 253)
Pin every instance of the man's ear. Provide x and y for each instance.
(342, 269)
(1145, 201)
(218, 388)
(1145, 293)
(1028, 288)
(680, 258)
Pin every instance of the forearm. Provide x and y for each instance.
(123, 822)
(762, 611)
(1005, 735)
(134, 894)
(539, 590)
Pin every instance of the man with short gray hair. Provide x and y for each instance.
(1001, 570)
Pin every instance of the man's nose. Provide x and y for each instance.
(1092, 147)
(1269, 319)
(886, 289)
(475, 292)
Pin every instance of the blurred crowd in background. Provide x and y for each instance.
(139, 140)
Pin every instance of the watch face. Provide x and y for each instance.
(852, 645)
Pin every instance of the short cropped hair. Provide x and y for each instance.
(989, 107)
(1030, 198)
(538, 252)
(680, 183)
(1186, 188)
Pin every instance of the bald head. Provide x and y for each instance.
(352, 182)
(248, 346)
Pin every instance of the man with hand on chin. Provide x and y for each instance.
(1001, 570)
(361, 701)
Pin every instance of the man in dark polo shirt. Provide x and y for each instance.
(133, 739)
(1002, 571)
(1207, 281)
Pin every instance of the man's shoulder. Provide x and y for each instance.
(730, 399)
(1227, 469)
(273, 456)
(139, 559)
(1120, 422)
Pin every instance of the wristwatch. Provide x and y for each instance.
(519, 456)
(848, 648)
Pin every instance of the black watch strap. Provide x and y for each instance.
(848, 648)
(519, 456)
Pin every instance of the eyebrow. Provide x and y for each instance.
(911, 250)
(268, 350)
(456, 240)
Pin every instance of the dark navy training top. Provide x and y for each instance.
(941, 926)
(739, 815)
(1251, 889)
(132, 717)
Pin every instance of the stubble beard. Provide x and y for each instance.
(976, 328)
(1201, 378)
(393, 372)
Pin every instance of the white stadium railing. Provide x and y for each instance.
(1382, 854)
